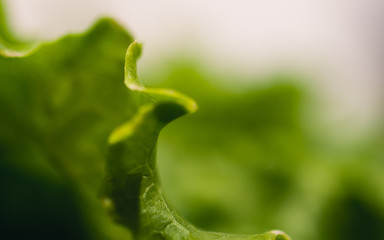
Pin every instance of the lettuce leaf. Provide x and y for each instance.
(64, 120)
(131, 191)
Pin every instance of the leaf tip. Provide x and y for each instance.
(131, 57)
(135, 49)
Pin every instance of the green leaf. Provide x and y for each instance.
(59, 103)
(132, 192)
(63, 106)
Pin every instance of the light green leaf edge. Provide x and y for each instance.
(9, 45)
(131, 191)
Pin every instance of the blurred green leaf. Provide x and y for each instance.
(253, 158)
(59, 103)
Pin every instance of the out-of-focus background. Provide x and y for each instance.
(289, 134)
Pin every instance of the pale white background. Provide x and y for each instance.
(338, 44)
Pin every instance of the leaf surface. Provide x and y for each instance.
(64, 106)
(132, 174)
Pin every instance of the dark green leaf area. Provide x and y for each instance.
(39, 207)
(169, 111)
(351, 215)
